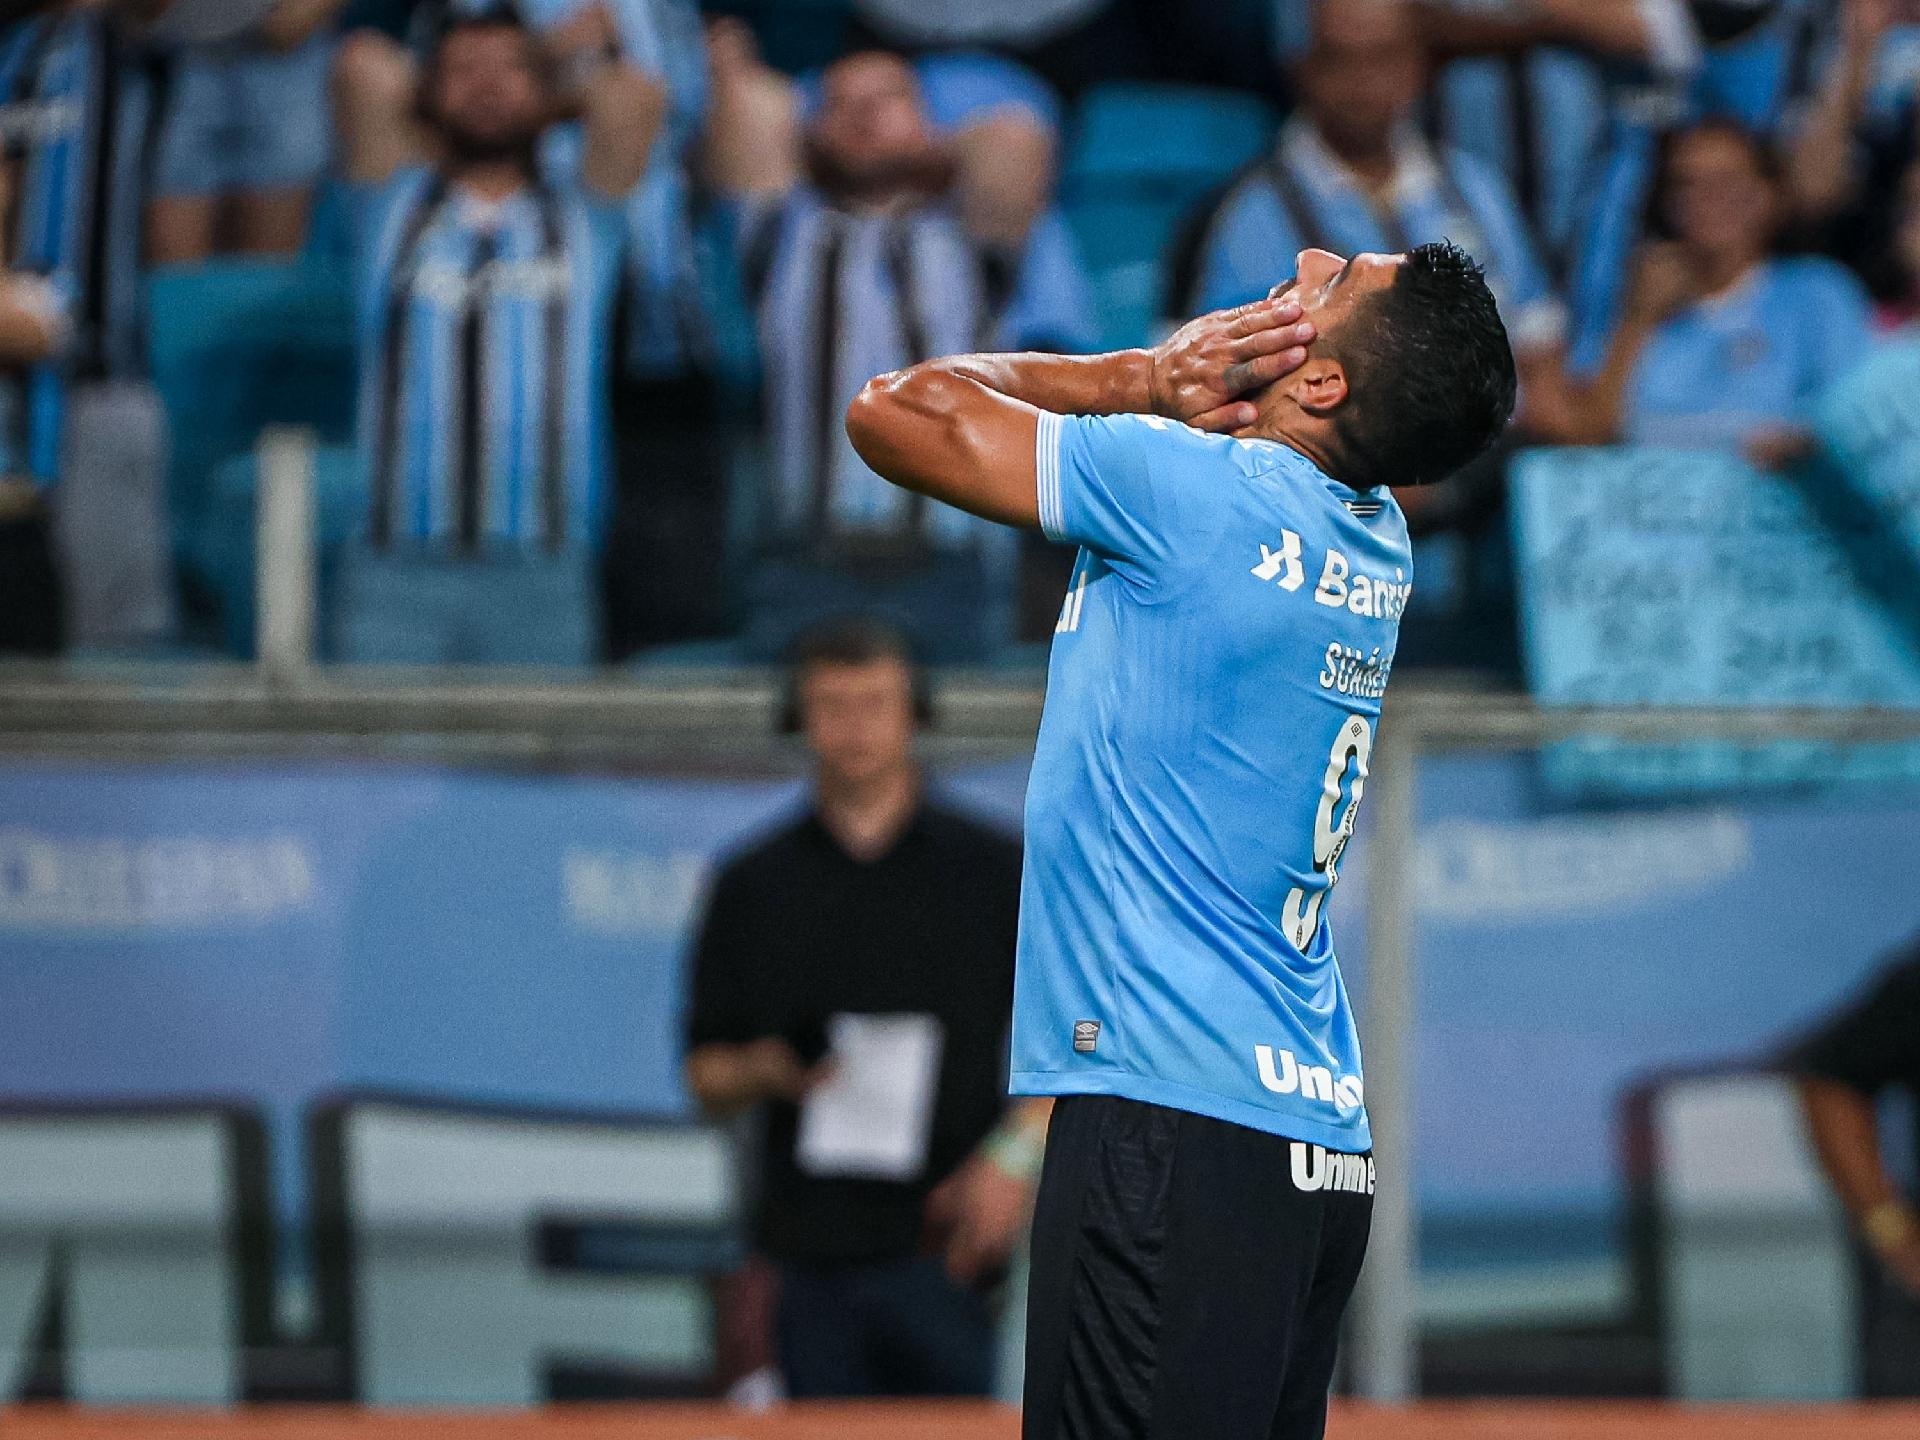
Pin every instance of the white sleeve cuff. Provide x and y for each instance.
(1046, 474)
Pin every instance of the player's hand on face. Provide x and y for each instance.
(983, 1212)
(1201, 372)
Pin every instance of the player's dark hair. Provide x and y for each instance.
(851, 640)
(1430, 373)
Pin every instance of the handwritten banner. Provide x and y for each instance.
(1674, 577)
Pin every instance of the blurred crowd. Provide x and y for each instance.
(573, 292)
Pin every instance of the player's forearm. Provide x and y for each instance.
(1118, 383)
(1846, 1136)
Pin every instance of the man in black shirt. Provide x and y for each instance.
(1870, 1047)
(854, 976)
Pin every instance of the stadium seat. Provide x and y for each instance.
(240, 345)
(1141, 159)
(236, 346)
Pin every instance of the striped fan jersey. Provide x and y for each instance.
(486, 338)
(840, 298)
(72, 105)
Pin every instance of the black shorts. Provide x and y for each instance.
(1189, 1277)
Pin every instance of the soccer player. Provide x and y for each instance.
(1216, 675)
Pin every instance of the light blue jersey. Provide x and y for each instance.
(1216, 675)
(1762, 355)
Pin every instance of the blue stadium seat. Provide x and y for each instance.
(240, 345)
(236, 346)
(1140, 160)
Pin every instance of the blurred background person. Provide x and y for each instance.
(76, 100)
(1725, 342)
(1895, 272)
(1871, 1047)
(487, 305)
(662, 40)
(243, 139)
(31, 324)
(1352, 173)
(864, 248)
(862, 951)
(1532, 89)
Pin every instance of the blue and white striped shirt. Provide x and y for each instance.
(843, 297)
(49, 83)
(661, 38)
(1304, 197)
(486, 336)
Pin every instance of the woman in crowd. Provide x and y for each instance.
(1724, 341)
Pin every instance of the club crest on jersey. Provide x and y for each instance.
(1282, 566)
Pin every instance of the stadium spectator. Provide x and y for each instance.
(1897, 265)
(868, 242)
(1351, 173)
(1873, 1046)
(75, 103)
(31, 320)
(75, 98)
(660, 39)
(1531, 88)
(486, 299)
(860, 955)
(1723, 342)
(1824, 155)
(1070, 42)
(243, 139)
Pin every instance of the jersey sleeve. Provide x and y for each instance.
(1133, 489)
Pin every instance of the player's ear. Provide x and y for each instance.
(1318, 387)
